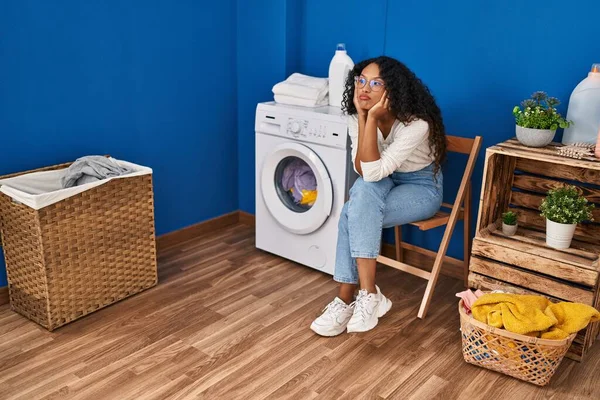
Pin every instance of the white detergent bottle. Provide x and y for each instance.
(339, 67)
(584, 110)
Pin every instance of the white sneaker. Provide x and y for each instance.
(368, 308)
(334, 319)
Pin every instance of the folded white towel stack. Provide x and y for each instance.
(302, 90)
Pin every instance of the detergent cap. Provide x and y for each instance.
(342, 47)
(595, 69)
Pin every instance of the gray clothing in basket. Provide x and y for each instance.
(91, 169)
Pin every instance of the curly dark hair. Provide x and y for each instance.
(409, 97)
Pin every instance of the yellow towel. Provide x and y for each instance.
(533, 315)
(571, 317)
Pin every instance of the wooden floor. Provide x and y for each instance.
(227, 321)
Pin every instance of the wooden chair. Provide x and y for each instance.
(457, 211)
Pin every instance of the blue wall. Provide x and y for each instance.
(269, 43)
(261, 60)
(482, 58)
(144, 81)
(359, 24)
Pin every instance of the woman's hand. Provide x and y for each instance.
(361, 112)
(380, 110)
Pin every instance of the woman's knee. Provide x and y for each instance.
(409, 210)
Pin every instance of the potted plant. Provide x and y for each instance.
(538, 121)
(563, 209)
(509, 223)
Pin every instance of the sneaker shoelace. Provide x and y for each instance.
(360, 304)
(334, 308)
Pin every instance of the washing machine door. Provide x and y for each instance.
(296, 188)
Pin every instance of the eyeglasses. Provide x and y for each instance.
(361, 82)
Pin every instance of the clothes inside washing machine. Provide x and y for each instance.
(296, 184)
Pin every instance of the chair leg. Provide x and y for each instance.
(437, 265)
(398, 240)
(460, 198)
(467, 233)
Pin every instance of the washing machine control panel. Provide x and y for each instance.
(297, 127)
(325, 126)
(316, 131)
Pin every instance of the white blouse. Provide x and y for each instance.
(405, 149)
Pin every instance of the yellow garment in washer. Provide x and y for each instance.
(308, 197)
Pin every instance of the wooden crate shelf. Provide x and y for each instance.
(518, 178)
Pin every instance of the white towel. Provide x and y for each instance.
(297, 101)
(303, 87)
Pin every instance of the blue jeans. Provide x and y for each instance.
(399, 199)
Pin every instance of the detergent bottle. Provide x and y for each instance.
(339, 67)
(584, 110)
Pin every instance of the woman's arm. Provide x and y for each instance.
(368, 148)
(369, 151)
(358, 135)
(406, 139)
(362, 120)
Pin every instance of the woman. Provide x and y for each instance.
(398, 144)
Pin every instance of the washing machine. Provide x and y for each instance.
(303, 174)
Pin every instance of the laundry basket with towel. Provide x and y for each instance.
(71, 249)
(523, 356)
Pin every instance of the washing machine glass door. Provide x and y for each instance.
(296, 188)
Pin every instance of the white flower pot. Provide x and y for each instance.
(509, 230)
(559, 235)
(535, 137)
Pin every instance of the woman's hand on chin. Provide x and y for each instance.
(380, 110)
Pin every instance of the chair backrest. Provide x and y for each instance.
(457, 144)
(471, 147)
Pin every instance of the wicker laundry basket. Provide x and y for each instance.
(527, 358)
(82, 253)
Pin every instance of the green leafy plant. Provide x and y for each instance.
(540, 112)
(566, 206)
(509, 218)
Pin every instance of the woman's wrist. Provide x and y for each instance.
(373, 115)
(370, 119)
